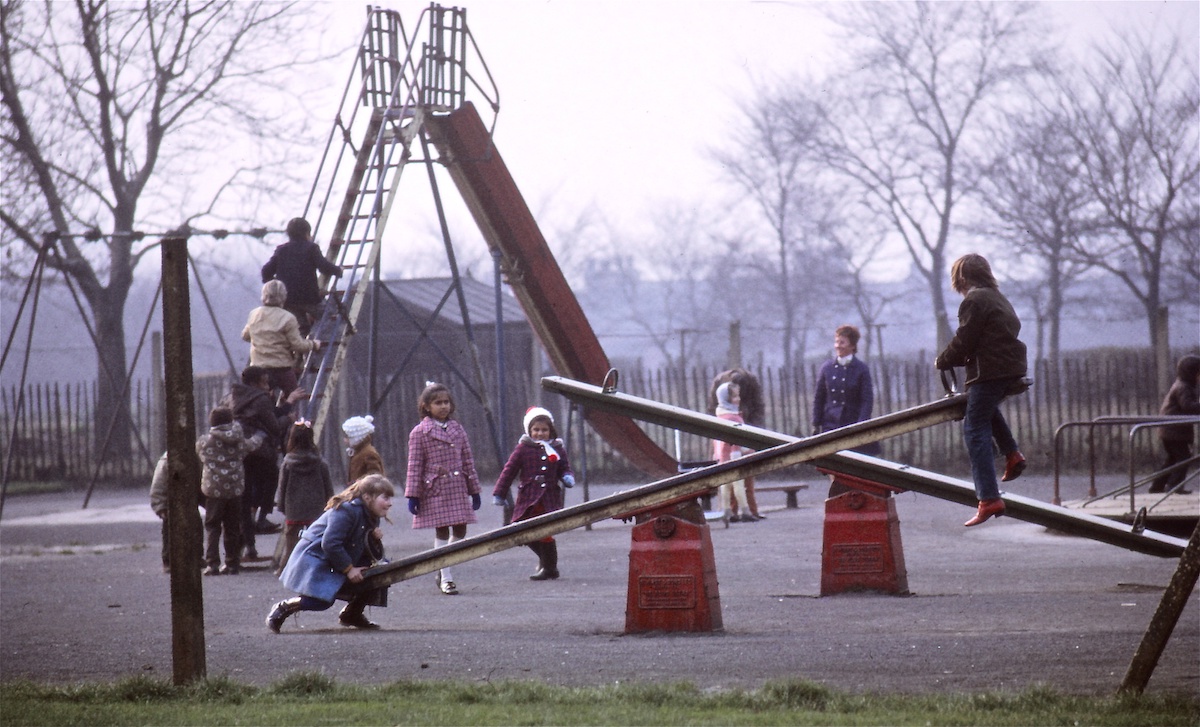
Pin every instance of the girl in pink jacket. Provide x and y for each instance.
(442, 486)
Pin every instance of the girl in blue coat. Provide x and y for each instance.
(334, 551)
(540, 460)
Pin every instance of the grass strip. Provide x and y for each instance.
(307, 698)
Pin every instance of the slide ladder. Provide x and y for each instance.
(400, 92)
(383, 107)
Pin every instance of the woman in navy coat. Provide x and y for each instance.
(334, 551)
(540, 460)
(844, 393)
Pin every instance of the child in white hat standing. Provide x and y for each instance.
(540, 459)
(364, 458)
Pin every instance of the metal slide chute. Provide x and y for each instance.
(507, 224)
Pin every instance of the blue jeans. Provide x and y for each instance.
(982, 423)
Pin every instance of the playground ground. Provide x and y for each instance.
(1000, 607)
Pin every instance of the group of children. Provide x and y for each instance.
(329, 540)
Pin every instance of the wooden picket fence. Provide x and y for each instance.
(57, 437)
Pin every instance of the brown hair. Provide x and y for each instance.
(300, 437)
(220, 415)
(431, 390)
(971, 271)
(372, 485)
(850, 333)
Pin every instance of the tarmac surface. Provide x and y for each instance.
(1000, 607)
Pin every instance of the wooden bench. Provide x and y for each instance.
(791, 489)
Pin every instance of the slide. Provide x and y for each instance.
(465, 147)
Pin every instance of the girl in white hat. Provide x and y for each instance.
(540, 459)
(364, 458)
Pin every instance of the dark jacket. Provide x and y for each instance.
(845, 395)
(304, 486)
(539, 476)
(327, 549)
(296, 263)
(1182, 399)
(254, 410)
(986, 342)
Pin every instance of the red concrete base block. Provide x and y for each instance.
(672, 578)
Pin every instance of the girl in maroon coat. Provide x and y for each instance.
(541, 461)
(442, 486)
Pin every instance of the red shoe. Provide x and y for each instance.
(987, 509)
(1014, 466)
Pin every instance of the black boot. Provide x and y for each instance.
(281, 611)
(549, 565)
(352, 615)
(538, 550)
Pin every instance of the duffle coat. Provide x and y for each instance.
(441, 474)
(304, 486)
(539, 477)
(328, 548)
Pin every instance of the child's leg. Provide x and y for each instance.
(441, 537)
(233, 534)
(212, 532)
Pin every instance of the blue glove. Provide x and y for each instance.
(476, 501)
(568, 480)
(498, 501)
(414, 504)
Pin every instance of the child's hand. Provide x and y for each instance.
(414, 505)
(377, 533)
(568, 480)
(475, 501)
(355, 574)
(498, 501)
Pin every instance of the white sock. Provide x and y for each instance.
(446, 571)
(440, 543)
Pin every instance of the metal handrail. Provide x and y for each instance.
(1136, 423)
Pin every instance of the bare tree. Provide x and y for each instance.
(120, 117)
(905, 121)
(1133, 121)
(772, 164)
(1038, 204)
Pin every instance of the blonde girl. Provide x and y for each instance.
(334, 551)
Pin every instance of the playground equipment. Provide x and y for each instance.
(671, 490)
(408, 91)
(872, 469)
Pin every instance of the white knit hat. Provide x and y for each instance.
(535, 412)
(357, 429)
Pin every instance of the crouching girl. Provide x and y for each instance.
(334, 551)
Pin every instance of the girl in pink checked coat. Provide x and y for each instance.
(442, 486)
